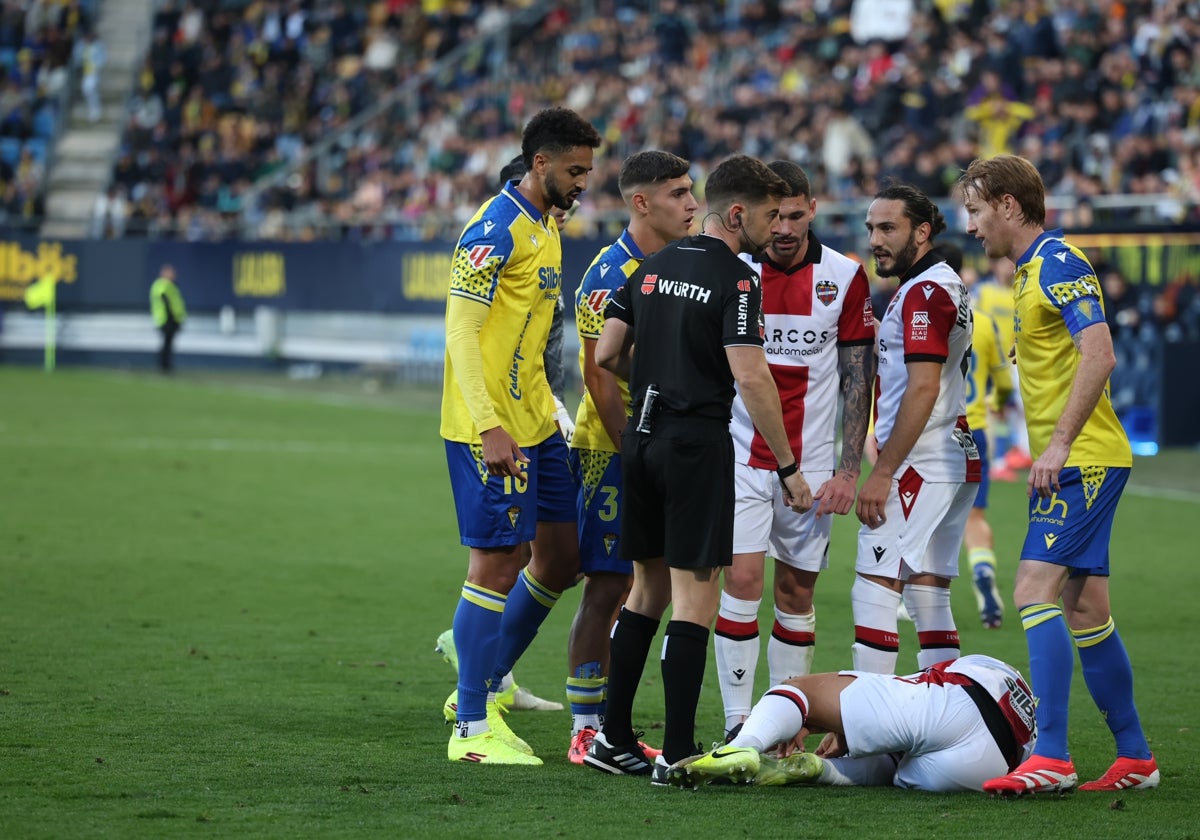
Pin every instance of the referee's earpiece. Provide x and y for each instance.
(738, 217)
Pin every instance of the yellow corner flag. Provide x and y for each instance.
(41, 295)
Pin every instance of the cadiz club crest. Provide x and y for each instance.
(610, 542)
(514, 514)
(826, 292)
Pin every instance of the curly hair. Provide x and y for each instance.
(742, 178)
(917, 206)
(554, 131)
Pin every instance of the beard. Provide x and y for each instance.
(557, 197)
(902, 261)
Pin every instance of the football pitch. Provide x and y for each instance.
(219, 596)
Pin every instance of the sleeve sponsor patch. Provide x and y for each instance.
(919, 326)
(1067, 291)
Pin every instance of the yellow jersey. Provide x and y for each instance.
(611, 268)
(996, 301)
(509, 258)
(988, 371)
(1057, 295)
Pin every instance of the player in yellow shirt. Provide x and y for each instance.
(657, 189)
(993, 296)
(508, 463)
(1082, 459)
(988, 385)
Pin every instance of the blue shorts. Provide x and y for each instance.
(599, 509)
(981, 443)
(498, 511)
(1068, 531)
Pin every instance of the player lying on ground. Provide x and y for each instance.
(950, 727)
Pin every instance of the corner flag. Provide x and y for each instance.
(41, 295)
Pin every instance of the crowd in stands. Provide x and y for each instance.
(38, 42)
(1103, 95)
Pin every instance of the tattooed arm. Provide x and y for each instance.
(857, 365)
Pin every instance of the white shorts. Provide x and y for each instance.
(926, 540)
(762, 522)
(938, 728)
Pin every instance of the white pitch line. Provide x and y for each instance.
(1168, 493)
(293, 447)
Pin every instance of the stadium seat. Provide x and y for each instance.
(37, 148)
(10, 150)
(8, 58)
(45, 122)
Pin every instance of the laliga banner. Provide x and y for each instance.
(389, 277)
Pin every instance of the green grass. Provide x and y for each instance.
(219, 597)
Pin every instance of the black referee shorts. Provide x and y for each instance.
(677, 501)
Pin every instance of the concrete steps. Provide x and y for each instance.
(83, 157)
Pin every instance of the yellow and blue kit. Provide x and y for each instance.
(1057, 295)
(509, 258)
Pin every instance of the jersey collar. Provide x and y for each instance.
(510, 190)
(812, 256)
(626, 241)
(921, 266)
(1037, 244)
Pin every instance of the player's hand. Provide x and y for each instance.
(501, 454)
(785, 748)
(562, 417)
(796, 493)
(837, 494)
(1043, 475)
(831, 746)
(872, 499)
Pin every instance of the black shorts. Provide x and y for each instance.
(678, 494)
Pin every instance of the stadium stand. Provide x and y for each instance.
(370, 133)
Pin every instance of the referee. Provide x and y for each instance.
(693, 311)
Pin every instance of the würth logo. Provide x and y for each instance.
(479, 255)
(743, 285)
(648, 283)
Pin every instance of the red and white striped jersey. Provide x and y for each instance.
(999, 679)
(929, 319)
(808, 312)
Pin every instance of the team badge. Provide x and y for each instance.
(514, 514)
(826, 291)
(648, 283)
(610, 542)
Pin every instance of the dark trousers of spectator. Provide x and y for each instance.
(168, 330)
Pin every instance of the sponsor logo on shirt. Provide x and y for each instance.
(919, 330)
(479, 254)
(648, 283)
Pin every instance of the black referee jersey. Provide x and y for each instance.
(686, 304)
